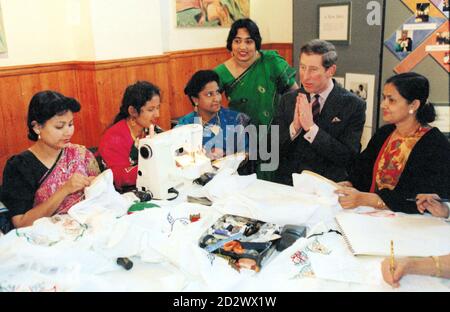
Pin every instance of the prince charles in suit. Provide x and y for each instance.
(321, 123)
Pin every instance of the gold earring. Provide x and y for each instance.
(411, 111)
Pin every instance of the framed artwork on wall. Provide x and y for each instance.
(340, 80)
(210, 13)
(335, 22)
(3, 47)
(443, 118)
(363, 86)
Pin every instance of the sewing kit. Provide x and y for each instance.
(246, 243)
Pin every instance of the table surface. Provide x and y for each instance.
(171, 276)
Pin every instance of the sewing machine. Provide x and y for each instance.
(171, 158)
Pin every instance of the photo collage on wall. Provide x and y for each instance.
(425, 33)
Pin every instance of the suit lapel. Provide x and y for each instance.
(291, 108)
(331, 108)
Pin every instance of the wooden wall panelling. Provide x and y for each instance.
(106, 105)
(183, 65)
(119, 82)
(162, 79)
(89, 127)
(67, 84)
(13, 119)
(181, 69)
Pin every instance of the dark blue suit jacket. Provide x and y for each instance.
(336, 145)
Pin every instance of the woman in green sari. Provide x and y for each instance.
(253, 79)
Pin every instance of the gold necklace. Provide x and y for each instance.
(409, 135)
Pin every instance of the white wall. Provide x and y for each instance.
(126, 28)
(78, 17)
(36, 32)
(47, 31)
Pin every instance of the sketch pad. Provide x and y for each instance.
(413, 236)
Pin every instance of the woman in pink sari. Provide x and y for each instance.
(49, 177)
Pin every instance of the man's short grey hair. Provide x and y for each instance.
(324, 48)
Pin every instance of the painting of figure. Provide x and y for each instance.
(207, 13)
(2, 34)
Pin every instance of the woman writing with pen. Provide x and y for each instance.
(439, 266)
(432, 266)
(405, 158)
(438, 207)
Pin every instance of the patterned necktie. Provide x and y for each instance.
(316, 108)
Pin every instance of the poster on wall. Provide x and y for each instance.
(363, 86)
(443, 118)
(335, 22)
(443, 6)
(436, 46)
(424, 33)
(3, 47)
(210, 13)
(411, 34)
(340, 80)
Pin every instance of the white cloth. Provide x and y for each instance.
(310, 183)
(226, 183)
(64, 254)
(100, 196)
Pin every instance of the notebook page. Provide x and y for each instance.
(418, 236)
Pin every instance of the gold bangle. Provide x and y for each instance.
(437, 263)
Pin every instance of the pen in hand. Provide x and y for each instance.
(441, 200)
(392, 264)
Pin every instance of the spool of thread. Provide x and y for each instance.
(126, 263)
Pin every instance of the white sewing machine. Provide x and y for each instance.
(171, 158)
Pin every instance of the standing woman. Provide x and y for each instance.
(119, 144)
(50, 176)
(405, 158)
(254, 79)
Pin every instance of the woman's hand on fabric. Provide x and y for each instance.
(349, 197)
(400, 269)
(216, 153)
(77, 182)
(430, 203)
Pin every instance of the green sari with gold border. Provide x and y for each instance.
(256, 92)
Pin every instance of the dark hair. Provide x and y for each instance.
(136, 95)
(45, 105)
(198, 82)
(252, 29)
(321, 47)
(413, 86)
